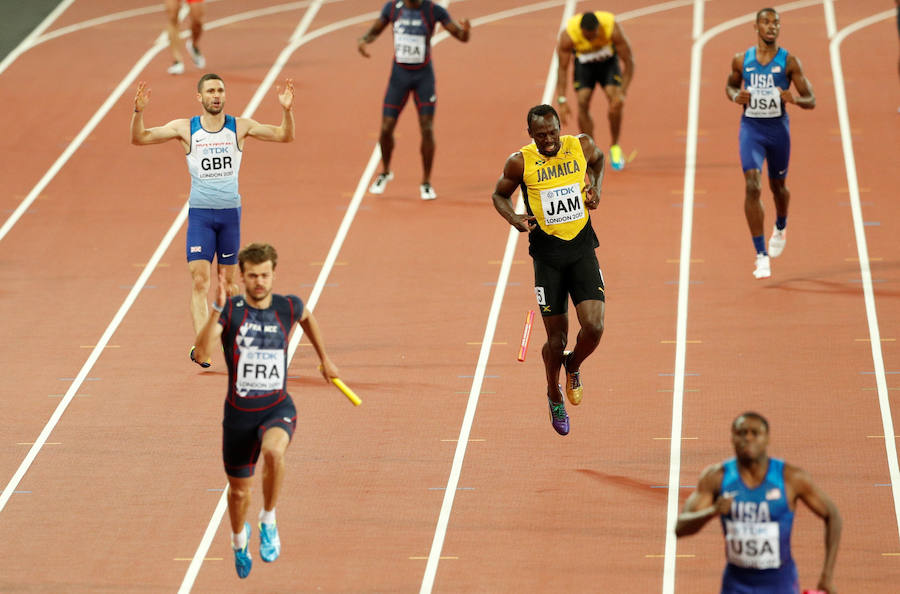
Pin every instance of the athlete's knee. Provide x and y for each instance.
(200, 279)
(556, 341)
(752, 187)
(239, 493)
(272, 456)
(593, 329)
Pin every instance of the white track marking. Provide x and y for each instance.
(884, 402)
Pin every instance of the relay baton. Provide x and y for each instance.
(347, 391)
(526, 336)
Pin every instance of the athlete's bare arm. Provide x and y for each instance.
(704, 504)
(800, 486)
(310, 327)
(807, 99)
(733, 87)
(623, 51)
(140, 135)
(460, 30)
(596, 163)
(282, 133)
(565, 49)
(211, 331)
(370, 36)
(511, 179)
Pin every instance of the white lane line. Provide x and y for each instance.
(160, 44)
(437, 544)
(884, 402)
(684, 268)
(30, 39)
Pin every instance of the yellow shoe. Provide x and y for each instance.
(574, 389)
(616, 157)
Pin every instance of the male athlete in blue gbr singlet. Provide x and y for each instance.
(260, 416)
(414, 22)
(766, 72)
(755, 496)
(213, 143)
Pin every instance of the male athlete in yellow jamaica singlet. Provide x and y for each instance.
(598, 44)
(559, 175)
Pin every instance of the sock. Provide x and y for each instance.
(759, 242)
(239, 541)
(267, 517)
(780, 223)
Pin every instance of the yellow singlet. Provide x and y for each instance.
(554, 187)
(601, 48)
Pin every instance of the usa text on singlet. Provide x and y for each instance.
(765, 84)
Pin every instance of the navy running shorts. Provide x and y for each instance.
(242, 434)
(213, 232)
(403, 82)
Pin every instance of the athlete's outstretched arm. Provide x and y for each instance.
(460, 30)
(141, 135)
(821, 505)
(370, 36)
(282, 133)
(564, 51)
(623, 51)
(311, 329)
(704, 504)
(513, 171)
(807, 99)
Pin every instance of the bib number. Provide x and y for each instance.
(765, 102)
(562, 205)
(754, 545)
(409, 49)
(260, 369)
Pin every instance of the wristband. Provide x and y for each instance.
(561, 99)
(216, 307)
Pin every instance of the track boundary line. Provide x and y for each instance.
(29, 40)
(859, 230)
(684, 268)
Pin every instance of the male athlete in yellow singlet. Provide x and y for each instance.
(561, 175)
(598, 43)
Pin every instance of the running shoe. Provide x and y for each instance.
(574, 389)
(616, 157)
(203, 364)
(381, 182)
(427, 192)
(243, 561)
(196, 57)
(269, 543)
(558, 417)
(776, 242)
(176, 68)
(763, 267)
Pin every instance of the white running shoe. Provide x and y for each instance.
(777, 241)
(763, 267)
(176, 68)
(381, 182)
(196, 57)
(427, 192)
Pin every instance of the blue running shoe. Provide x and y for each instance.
(243, 562)
(558, 417)
(203, 364)
(269, 543)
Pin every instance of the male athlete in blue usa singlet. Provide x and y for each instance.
(754, 497)
(760, 82)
